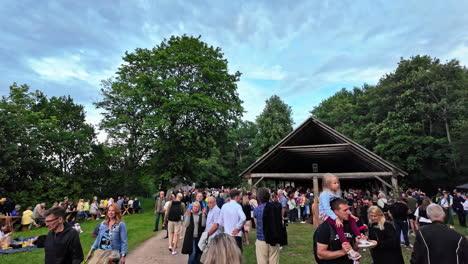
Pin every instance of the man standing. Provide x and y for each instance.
(233, 217)
(199, 199)
(212, 226)
(437, 243)
(399, 212)
(159, 209)
(411, 203)
(284, 205)
(458, 207)
(327, 246)
(173, 217)
(269, 224)
(62, 243)
(365, 206)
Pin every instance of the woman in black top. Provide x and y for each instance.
(388, 249)
(248, 217)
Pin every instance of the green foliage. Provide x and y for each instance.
(414, 117)
(45, 144)
(169, 107)
(274, 123)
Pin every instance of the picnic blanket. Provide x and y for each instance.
(10, 251)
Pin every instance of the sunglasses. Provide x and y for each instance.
(52, 220)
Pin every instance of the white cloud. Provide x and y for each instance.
(460, 53)
(274, 73)
(63, 69)
(365, 75)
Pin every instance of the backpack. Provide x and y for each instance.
(175, 212)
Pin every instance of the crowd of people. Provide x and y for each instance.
(213, 224)
(62, 243)
(345, 222)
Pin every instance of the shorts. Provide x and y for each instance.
(173, 227)
(411, 216)
(247, 225)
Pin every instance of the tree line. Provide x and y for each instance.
(172, 114)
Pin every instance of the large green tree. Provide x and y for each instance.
(169, 106)
(414, 117)
(274, 123)
(45, 143)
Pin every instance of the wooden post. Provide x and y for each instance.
(395, 184)
(316, 187)
(249, 181)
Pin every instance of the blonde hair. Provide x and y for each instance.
(245, 200)
(376, 210)
(326, 180)
(223, 250)
(118, 214)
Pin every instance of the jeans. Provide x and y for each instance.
(156, 224)
(194, 257)
(402, 226)
(82, 215)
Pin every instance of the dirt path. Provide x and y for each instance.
(154, 250)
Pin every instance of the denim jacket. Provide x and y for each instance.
(118, 239)
(324, 204)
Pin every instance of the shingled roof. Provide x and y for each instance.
(313, 149)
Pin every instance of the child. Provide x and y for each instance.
(331, 190)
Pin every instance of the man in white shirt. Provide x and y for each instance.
(212, 226)
(232, 217)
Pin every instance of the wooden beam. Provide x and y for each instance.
(258, 181)
(347, 175)
(384, 182)
(316, 146)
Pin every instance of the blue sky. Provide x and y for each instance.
(303, 51)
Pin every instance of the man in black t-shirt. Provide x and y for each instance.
(327, 246)
(399, 212)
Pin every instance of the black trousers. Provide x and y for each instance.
(461, 217)
(238, 242)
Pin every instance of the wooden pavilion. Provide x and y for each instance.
(314, 149)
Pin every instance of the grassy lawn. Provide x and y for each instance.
(300, 248)
(140, 228)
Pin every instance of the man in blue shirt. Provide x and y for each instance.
(266, 253)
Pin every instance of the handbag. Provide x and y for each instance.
(102, 256)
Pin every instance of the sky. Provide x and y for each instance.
(302, 51)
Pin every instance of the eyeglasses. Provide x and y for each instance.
(52, 220)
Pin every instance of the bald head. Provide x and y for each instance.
(435, 212)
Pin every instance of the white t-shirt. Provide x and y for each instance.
(421, 219)
(465, 205)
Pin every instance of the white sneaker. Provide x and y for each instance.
(303, 222)
(354, 255)
(174, 253)
(170, 248)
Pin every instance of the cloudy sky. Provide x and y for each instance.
(303, 51)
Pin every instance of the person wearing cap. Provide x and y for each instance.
(16, 212)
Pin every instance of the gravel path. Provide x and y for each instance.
(154, 250)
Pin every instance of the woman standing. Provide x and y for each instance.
(248, 220)
(421, 215)
(388, 249)
(112, 234)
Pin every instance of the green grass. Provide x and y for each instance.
(140, 229)
(300, 247)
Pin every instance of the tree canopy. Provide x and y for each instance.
(414, 117)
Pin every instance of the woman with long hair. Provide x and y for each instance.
(248, 214)
(420, 213)
(112, 233)
(388, 248)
